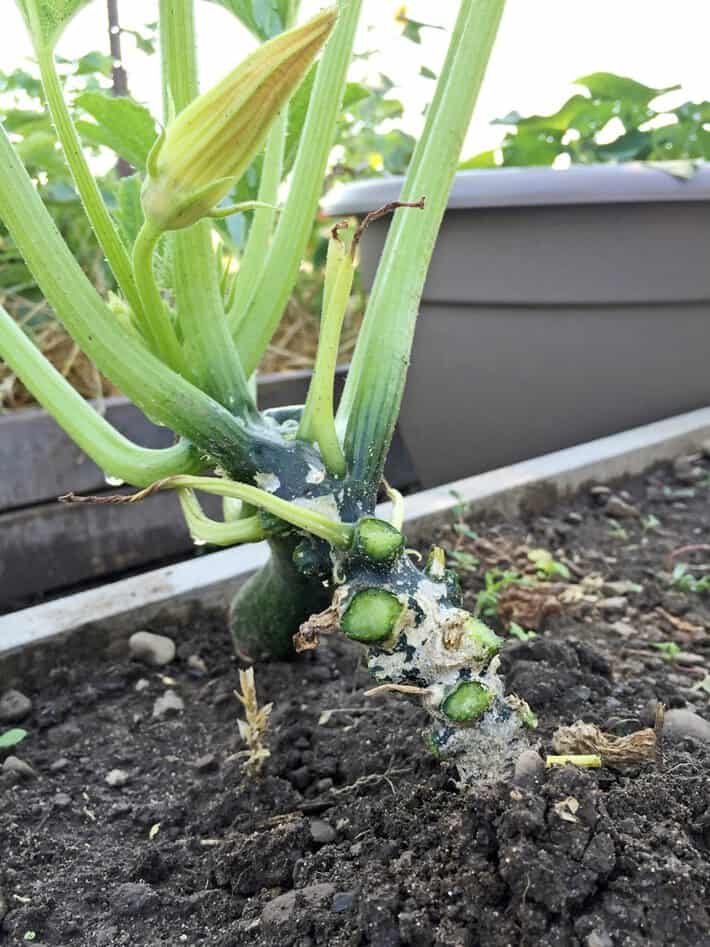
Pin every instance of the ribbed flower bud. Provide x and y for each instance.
(212, 142)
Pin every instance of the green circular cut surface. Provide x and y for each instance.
(371, 615)
(377, 539)
(467, 702)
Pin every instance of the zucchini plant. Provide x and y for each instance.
(305, 479)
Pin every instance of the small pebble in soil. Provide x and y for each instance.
(14, 707)
(156, 650)
(196, 664)
(343, 901)
(61, 800)
(15, 765)
(279, 911)
(620, 509)
(528, 767)
(616, 603)
(117, 778)
(679, 723)
(142, 684)
(206, 763)
(598, 938)
(321, 832)
(59, 764)
(686, 471)
(131, 899)
(168, 704)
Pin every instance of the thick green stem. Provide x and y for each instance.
(203, 529)
(115, 454)
(207, 338)
(252, 263)
(268, 609)
(208, 342)
(318, 419)
(104, 228)
(255, 330)
(162, 394)
(155, 321)
(333, 531)
(373, 392)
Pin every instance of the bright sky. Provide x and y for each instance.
(542, 46)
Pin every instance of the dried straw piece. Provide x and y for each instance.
(631, 750)
(253, 729)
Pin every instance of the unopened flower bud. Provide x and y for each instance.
(211, 143)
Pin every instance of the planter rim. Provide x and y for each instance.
(113, 606)
(632, 182)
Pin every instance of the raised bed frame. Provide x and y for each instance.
(102, 618)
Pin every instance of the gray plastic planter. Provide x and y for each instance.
(560, 306)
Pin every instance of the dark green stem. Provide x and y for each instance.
(267, 611)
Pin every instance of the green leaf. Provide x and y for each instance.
(122, 124)
(607, 85)
(94, 63)
(47, 19)
(538, 149)
(427, 73)
(11, 738)
(486, 159)
(635, 145)
(265, 18)
(413, 28)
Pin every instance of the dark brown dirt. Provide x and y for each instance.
(354, 835)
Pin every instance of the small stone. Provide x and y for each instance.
(142, 684)
(620, 509)
(528, 767)
(62, 800)
(681, 723)
(574, 518)
(206, 763)
(322, 832)
(600, 490)
(598, 939)
(156, 650)
(688, 659)
(279, 911)
(14, 707)
(131, 899)
(168, 704)
(343, 901)
(117, 778)
(58, 765)
(685, 470)
(15, 765)
(617, 603)
(64, 734)
(196, 664)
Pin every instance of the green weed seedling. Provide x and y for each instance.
(684, 581)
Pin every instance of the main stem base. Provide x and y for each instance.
(269, 608)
